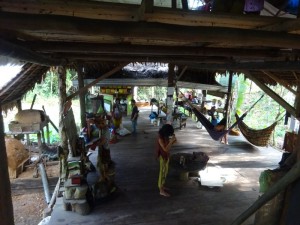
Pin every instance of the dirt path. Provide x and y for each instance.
(28, 195)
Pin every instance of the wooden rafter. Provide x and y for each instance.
(128, 12)
(24, 54)
(133, 31)
(106, 75)
(181, 73)
(270, 65)
(272, 94)
(152, 50)
(279, 81)
(295, 75)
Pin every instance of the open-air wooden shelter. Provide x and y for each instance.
(104, 36)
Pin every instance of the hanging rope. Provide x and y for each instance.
(255, 103)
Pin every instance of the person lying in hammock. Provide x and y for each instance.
(212, 113)
(220, 127)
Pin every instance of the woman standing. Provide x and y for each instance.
(117, 114)
(166, 138)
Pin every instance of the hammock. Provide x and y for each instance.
(215, 135)
(256, 137)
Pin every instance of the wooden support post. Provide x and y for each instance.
(81, 96)
(204, 94)
(297, 102)
(185, 5)
(170, 92)
(146, 7)
(174, 4)
(6, 207)
(228, 100)
(62, 100)
(28, 139)
(62, 130)
(292, 175)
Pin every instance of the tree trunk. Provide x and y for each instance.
(170, 92)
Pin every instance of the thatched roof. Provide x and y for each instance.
(20, 84)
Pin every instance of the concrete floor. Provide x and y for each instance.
(137, 200)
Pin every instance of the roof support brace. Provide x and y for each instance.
(109, 73)
(273, 95)
(281, 82)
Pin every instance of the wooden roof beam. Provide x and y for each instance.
(23, 54)
(64, 27)
(270, 65)
(152, 50)
(202, 63)
(128, 12)
(125, 58)
(283, 26)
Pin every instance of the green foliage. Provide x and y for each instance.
(54, 136)
(241, 86)
(49, 86)
(266, 111)
(146, 93)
